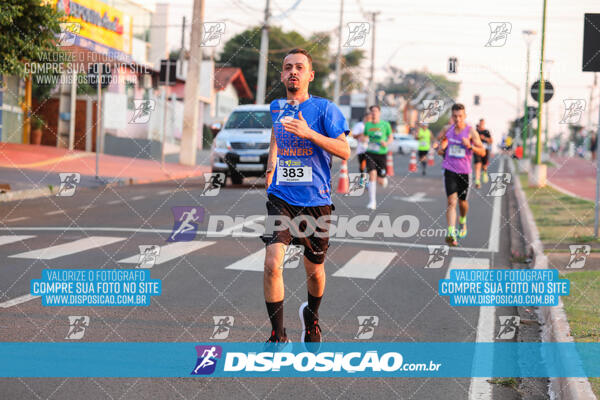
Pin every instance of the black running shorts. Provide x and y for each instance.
(456, 183)
(315, 246)
(376, 162)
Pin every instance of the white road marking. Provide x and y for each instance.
(134, 198)
(366, 264)
(163, 192)
(16, 219)
(494, 241)
(6, 239)
(55, 212)
(171, 251)
(17, 300)
(480, 388)
(65, 249)
(252, 262)
(113, 202)
(87, 206)
(414, 198)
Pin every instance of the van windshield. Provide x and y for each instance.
(249, 120)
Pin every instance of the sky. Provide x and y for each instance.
(424, 34)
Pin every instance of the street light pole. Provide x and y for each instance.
(528, 35)
(538, 152)
(261, 87)
(338, 62)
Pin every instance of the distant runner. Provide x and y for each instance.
(380, 137)
(483, 161)
(458, 142)
(358, 133)
(423, 136)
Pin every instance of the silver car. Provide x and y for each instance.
(241, 148)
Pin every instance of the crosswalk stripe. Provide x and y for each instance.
(16, 219)
(7, 239)
(366, 264)
(171, 251)
(65, 249)
(467, 263)
(17, 300)
(252, 262)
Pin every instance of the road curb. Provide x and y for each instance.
(27, 194)
(555, 326)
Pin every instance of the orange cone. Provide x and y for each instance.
(389, 164)
(430, 158)
(343, 182)
(412, 166)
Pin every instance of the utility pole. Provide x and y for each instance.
(189, 137)
(261, 85)
(338, 63)
(528, 35)
(371, 93)
(538, 152)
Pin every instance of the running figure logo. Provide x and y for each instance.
(358, 182)
(508, 327)
(68, 183)
(432, 109)
(574, 109)
(141, 111)
(68, 33)
(366, 326)
(148, 255)
(207, 359)
(358, 34)
(77, 325)
(293, 255)
(213, 31)
(579, 253)
(498, 183)
(186, 223)
(499, 32)
(223, 323)
(213, 183)
(437, 255)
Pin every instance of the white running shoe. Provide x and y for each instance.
(371, 205)
(385, 182)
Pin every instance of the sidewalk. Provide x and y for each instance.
(30, 168)
(574, 176)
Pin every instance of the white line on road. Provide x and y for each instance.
(171, 251)
(86, 207)
(65, 249)
(163, 192)
(366, 264)
(480, 388)
(55, 212)
(494, 243)
(252, 262)
(113, 202)
(7, 239)
(134, 198)
(16, 219)
(17, 300)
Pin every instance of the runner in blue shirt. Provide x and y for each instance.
(307, 132)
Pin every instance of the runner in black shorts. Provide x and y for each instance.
(380, 137)
(307, 132)
(482, 161)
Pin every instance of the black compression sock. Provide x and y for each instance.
(313, 305)
(275, 311)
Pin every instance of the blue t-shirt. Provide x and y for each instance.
(303, 172)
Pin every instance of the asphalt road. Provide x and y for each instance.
(101, 227)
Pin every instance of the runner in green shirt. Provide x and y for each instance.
(423, 135)
(380, 137)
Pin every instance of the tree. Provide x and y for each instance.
(243, 51)
(28, 29)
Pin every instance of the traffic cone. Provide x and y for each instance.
(389, 164)
(343, 182)
(412, 166)
(430, 158)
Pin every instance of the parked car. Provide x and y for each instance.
(241, 148)
(404, 144)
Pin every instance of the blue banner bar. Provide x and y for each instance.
(336, 359)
